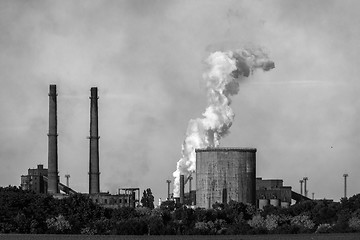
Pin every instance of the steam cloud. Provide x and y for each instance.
(226, 69)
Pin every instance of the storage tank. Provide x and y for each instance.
(263, 203)
(275, 202)
(224, 174)
(285, 204)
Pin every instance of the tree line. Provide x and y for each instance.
(28, 212)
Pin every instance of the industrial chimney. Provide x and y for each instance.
(345, 185)
(94, 181)
(53, 177)
(168, 183)
(182, 188)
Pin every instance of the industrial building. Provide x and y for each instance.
(225, 174)
(272, 192)
(126, 197)
(222, 174)
(42, 180)
(34, 180)
(37, 181)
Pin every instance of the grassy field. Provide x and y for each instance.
(347, 236)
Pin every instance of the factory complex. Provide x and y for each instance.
(222, 174)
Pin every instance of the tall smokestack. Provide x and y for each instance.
(53, 177)
(345, 185)
(94, 181)
(305, 189)
(168, 183)
(301, 186)
(182, 186)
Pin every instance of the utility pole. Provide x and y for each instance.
(345, 186)
(168, 182)
(301, 186)
(305, 190)
(313, 194)
(67, 176)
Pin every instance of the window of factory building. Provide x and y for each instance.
(125, 200)
(105, 201)
(120, 200)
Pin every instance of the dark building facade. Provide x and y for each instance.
(272, 192)
(34, 180)
(126, 197)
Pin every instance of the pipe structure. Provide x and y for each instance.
(345, 186)
(168, 183)
(67, 176)
(190, 178)
(301, 186)
(305, 189)
(53, 177)
(94, 174)
(182, 185)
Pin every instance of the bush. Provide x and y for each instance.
(205, 228)
(324, 228)
(132, 226)
(58, 224)
(303, 222)
(257, 222)
(271, 222)
(354, 223)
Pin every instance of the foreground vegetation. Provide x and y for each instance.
(27, 212)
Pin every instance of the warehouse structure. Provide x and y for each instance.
(272, 192)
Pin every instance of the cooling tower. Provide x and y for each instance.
(52, 143)
(94, 178)
(224, 174)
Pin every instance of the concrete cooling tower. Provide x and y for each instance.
(224, 174)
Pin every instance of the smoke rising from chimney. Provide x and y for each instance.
(226, 69)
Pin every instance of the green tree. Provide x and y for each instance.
(147, 199)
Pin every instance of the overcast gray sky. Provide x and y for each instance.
(147, 58)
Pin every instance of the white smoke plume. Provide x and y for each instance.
(226, 69)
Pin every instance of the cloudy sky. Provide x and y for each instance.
(147, 58)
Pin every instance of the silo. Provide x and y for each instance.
(275, 202)
(285, 204)
(224, 174)
(263, 203)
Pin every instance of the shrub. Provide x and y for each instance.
(257, 222)
(324, 228)
(58, 224)
(88, 231)
(303, 222)
(354, 223)
(271, 222)
(205, 228)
